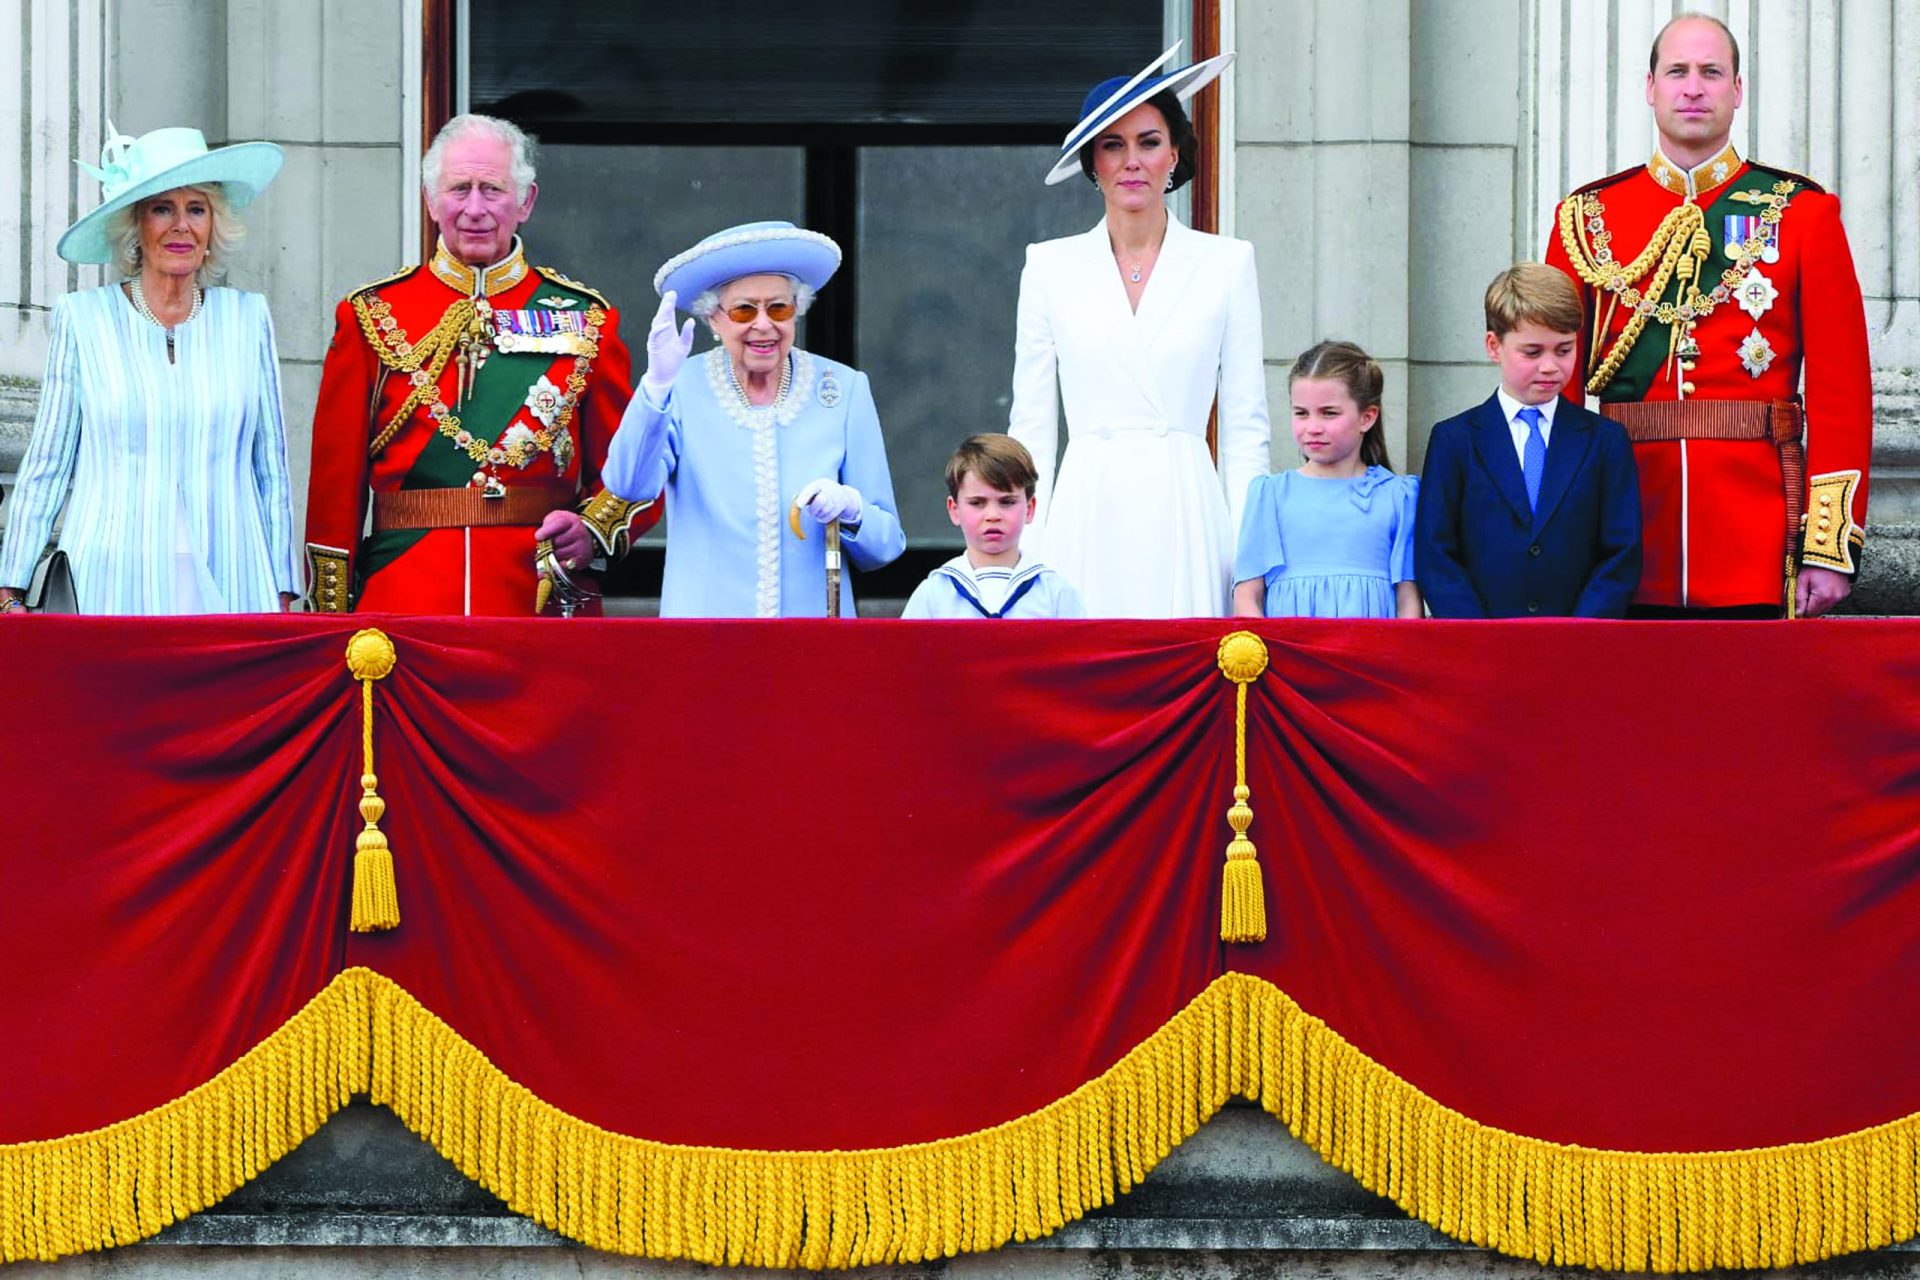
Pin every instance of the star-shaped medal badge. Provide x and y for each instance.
(1756, 294)
(1756, 353)
(543, 401)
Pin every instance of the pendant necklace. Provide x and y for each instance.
(146, 312)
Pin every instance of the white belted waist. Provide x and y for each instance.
(1138, 426)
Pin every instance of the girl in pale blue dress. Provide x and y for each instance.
(1333, 539)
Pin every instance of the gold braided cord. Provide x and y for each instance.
(1680, 244)
(423, 361)
(461, 321)
(1608, 275)
(1671, 240)
(1557, 1204)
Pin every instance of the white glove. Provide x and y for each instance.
(667, 349)
(830, 500)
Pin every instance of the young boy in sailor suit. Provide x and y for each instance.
(990, 496)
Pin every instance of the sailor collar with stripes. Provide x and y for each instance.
(992, 589)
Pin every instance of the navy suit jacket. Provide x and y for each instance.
(1478, 551)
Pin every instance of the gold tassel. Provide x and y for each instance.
(376, 899)
(1243, 902)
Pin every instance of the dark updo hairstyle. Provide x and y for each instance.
(1180, 136)
(1360, 373)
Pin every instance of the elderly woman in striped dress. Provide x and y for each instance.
(159, 430)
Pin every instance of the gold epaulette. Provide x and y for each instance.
(1609, 180)
(571, 283)
(1800, 180)
(399, 275)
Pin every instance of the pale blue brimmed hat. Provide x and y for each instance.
(1111, 99)
(132, 169)
(750, 249)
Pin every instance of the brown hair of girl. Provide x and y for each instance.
(1361, 375)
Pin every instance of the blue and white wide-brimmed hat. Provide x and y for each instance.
(1111, 99)
(750, 249)
(133, 169)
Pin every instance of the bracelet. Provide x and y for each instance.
(11, 603)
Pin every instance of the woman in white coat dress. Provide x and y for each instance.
(1138, 325)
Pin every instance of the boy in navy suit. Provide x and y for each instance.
(1529, 504)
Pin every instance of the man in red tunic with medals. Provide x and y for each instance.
(472, 398)
(1711, 283)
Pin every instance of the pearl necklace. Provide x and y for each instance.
(739, 389)
(146, 312)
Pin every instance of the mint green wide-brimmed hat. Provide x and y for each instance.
(133, 169)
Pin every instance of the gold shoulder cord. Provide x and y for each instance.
(575, 285)
(397, 353)
(1680, 245)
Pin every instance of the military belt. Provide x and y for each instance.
(1780, 423)
(526, 504)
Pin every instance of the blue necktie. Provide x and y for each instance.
(1533, 458)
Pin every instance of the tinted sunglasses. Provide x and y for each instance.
(744, 312)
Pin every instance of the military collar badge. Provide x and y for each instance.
(478, 282)
(1697, 181)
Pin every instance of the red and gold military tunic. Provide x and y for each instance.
(465, 403)
(1724, 283)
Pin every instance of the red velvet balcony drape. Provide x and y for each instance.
(1538, 895)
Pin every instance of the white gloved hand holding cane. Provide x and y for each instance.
(829, 500)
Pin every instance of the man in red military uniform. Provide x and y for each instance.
(473, 398)
(1711, 283)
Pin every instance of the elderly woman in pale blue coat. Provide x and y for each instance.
(752, 430)
(159, 429)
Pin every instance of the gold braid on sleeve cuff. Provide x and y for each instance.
(1829, 537)
(611, 519)
(327, 589)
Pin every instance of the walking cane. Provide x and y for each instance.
(833, 556)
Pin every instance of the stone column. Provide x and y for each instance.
(1468, 61)
(1377, 148)
(53, 60)
(1322, 172)
(332, 85)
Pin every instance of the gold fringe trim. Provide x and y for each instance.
(1557, 1204)
(131, 1179)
